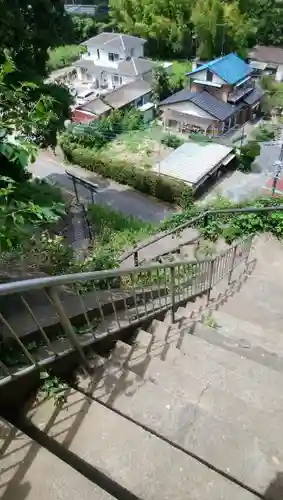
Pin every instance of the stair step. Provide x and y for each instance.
(128, 454)
(30, 472)
(224, 442)
(248, 380)
(241, 341)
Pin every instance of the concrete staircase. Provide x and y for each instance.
(186, 410)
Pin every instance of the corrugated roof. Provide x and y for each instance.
(114, 41)
(207, 102)
(230, 68)
(254, 96)
(192, 161)
(127, 93)
(267, 54)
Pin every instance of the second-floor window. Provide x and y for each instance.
(113, 57)
(209, 76)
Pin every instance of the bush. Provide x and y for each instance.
(99, 132)
(265, 133)
(248, 153)
(150, 183)
(64, 56)
(172, 141)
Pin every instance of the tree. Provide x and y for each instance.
(248, 154)
(161, 87)
(28, 28)
(166, 24)
(267, 15)
(220, 28)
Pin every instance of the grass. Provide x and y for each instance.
(142, 147)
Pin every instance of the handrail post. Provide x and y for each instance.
(136, 258)
(211, 271)
(67, 326)
(205, 219)
(173, 293)
(232, 264)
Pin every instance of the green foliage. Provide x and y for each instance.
(172, 141)
(99, 132)
(233, 226)
(19, 218)
(247, 155)
(27, 29)
(84, 27)
(265, 132)
(52, 388)
(178, 78)
(169, 190)
(64, 56)
(161, 87)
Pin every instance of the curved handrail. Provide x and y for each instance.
(203, 215)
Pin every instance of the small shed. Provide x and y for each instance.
(194, 162)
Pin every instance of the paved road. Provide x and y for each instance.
(121, 198)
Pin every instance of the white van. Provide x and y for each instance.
(84, 96)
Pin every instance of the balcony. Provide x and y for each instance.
(238, 93)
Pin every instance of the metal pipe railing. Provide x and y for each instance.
(203, 215)
(115, 299)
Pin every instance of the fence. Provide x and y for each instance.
(78, 310)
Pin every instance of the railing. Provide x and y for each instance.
(45, 319)
(192, 223)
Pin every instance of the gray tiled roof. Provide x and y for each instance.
(267, 54)
(114, 41)
(207, 102)
(135, 66)
(254, 96)
(127, 93)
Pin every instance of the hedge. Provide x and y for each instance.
(148, 182)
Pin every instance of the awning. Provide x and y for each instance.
(258, 65)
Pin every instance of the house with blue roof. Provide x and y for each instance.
(220, 95)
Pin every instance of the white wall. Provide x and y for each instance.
(202, 76)
(188, 108)
(104, 55)
(279, 73)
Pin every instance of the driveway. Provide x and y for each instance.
(121, 198)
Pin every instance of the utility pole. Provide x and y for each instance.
(278, 167)
(223, 38)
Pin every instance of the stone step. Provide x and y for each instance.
(128, 454)
(224, 442)
(245, 339)
(246, 379)
(30, 472)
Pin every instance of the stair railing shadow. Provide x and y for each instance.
(186, 324)
(15, 487)
(275, 488)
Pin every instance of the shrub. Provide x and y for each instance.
(172, 141)
(248, 153)
(64, 56)
(169, 190)
(264, 133)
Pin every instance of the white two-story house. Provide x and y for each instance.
(112, 60)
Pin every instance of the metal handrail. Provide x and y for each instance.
(203, 215)
(143, 293)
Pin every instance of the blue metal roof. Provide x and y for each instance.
(230, 68)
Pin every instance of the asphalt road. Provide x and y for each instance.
(122, 198)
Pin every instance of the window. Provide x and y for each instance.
(209, 76)
(98, 54)
(117, 79)
(113, 57)
(139, 103)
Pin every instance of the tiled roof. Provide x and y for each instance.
(127, 93)
(267, 54)
(135, 66)
(230, 68)
(114, 41)
(96, 106)
(207, 102)
(254, 96)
